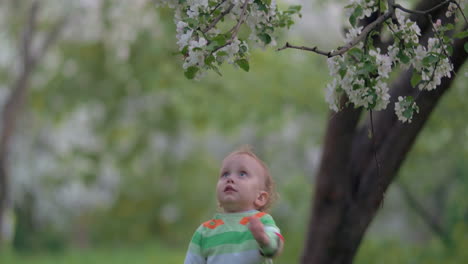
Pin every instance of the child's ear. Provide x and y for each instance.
(262, 199)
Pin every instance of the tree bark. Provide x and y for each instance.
(15, 100)
(350, 187)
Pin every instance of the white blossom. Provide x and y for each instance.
(332, 96)
(402, 106)
(384, 62)
(352, 34)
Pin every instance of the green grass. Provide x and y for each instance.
(153, 253)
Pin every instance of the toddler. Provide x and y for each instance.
(243, 233)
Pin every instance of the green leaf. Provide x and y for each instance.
(219, 39)
(295, 8)
(449, 26)
(403, 58)
(244, 64)
(261, 5)
(209, 60)
(450, 50)
(342, 72)
(267, 2)
(415, 79)
(408, 113)
(193, 23)
(265, 38)
(430, 60)
(357, 13)
(355, 52)
(184, 50)
(190, 72)
(461, 35)
(216, 69)
(367, 68)
(221, 53)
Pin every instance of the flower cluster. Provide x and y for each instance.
(359, 9)
(405, 108)
(452, 8)
(211, 32)
(434, 66)
(362, 72)
(362, 77)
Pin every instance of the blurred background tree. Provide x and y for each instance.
(115, 153)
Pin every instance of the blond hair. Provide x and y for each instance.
(270, 187)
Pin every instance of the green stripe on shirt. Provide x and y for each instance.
(232, 237)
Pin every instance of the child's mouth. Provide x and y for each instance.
(229, 189)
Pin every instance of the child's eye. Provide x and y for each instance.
(243, 173)
(225, 174)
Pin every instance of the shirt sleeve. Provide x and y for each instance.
(276, 239)
(194, 252)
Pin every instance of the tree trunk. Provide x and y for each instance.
(13, 104)
(350, 186)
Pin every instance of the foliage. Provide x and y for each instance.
(212, 32)
(134, 146)
(361, 72)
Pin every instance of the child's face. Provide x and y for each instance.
(241, 184)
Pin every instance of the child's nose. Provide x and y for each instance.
(230, 180)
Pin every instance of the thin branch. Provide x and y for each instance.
(366, 30)
(28, 34)
(351, 44)
(431, 221)
(429, 17)
(51, 38)
(217, 19)
(461, 11)
(314, 49)
(422, 12)
(391, 9)
(216, 7)
(236, 28)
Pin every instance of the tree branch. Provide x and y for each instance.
(431, 221)
(366, 30)
(51, 38)
(422, 12)
(348, 46)
(461, 11)
(15, 100)
(217, 19)
(236, 28)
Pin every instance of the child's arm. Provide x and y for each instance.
(194, 255)
(268, 238)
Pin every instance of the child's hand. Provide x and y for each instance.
(256, 227)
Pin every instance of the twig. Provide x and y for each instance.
(217, 19)
(51, 37)
(461, 10)
(429, 17)
(216, 7)
(236, 28)
(422, 12)
(28, 35)
(429, 219)
(314, 49)
(348, 46)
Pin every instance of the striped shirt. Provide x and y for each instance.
(226, 239)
